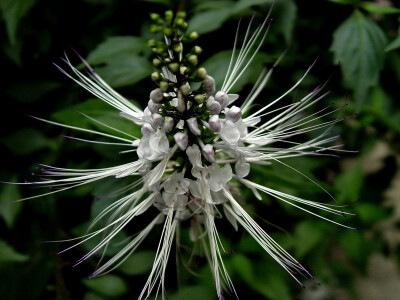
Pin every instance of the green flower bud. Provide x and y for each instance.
(193, 35)
(167, 31)
(181, 14)
(155, 28)
(164, 86)
(155, 76)
(199, 98)
(185, 89)
(156, 62)
(169, 14)
(158, 50)
(182, 70)
(152, 43)
(179, 21)
(197, 49)
(178, 48)
(154, 16)
(173, 67)
(192, 59)
(202, 73)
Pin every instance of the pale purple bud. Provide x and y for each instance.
(209, 85)
(213, 106)
(181, 107)
(147, 129)
(222, 98)
(208, 152)
(157, 120)
(193, 126)
(168, 124)
(156, 95)
(215, 124)
(233, 114)
(153, 107)
(181, 139)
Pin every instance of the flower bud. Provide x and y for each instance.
(156, 95)
(151, 43)
(208, 152)
(156, 62)
(192, 59)
(199, 98)
(181, 14)
(155, 76)
(154, 16)
(222, 98)
(153, 107)
(181, 139)
(178, 48)
(167, 31)
(185, 89)
(173, 67)
(147, 129)
(193, 35)
(157, 120)
(182, 70)
(202, 73)
(209, 85)
(164, 86)
(233, 114)
(193, 126)
(197, 50)
(179, 21)
(215, 124)
(181, 107)
(213, 106)
(168, 124)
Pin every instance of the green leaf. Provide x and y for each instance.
(115, 46)
(370, 213)
(139, 262)
(243, 267)
(13, 11)
(9, 212)
(284, 14)
(272, 284)
(119, 60)
(8, 254)
(307, 237)
(355, 246)
(32, 90)
(379, 9)
(107, 285)
(125, 69)
(393, 45)
(349, 183)
(193, 293)
(207, 21)
(344, 2)
(100, 111)
(359, 46)
(26, 141)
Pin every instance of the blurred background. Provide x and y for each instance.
(357, 45)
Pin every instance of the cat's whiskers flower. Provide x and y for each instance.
(193, 144)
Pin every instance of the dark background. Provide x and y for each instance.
(112, 35)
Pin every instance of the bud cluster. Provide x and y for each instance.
(187, 116)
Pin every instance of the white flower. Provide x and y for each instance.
(176, 178)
